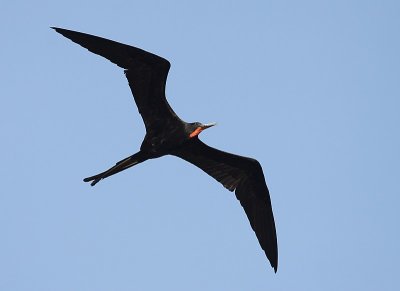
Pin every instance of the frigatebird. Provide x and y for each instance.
(167, 134)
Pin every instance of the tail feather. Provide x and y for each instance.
(120, 166)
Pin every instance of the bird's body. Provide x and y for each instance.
(167, 134)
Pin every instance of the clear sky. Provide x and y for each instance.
(309, 88)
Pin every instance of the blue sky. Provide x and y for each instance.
(309, 88)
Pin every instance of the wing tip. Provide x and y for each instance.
(56, 28)
(61, 31)
(273, 260)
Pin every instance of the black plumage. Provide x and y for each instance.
(167, 134)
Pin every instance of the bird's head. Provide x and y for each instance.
(195, 128)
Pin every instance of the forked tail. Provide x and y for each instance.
(120, 166)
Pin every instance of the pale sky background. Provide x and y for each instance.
(309, 88)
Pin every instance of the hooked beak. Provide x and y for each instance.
(208, 125)
(197, 131)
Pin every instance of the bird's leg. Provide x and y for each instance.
(120, 166)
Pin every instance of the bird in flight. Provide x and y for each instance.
(167, 134)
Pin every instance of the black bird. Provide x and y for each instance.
(167, 134)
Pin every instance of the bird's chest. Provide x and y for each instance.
(164, 141)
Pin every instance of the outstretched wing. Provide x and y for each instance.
(146, 73)
(246, 177)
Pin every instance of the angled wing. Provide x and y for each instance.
(146, 73)
(246, 177)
